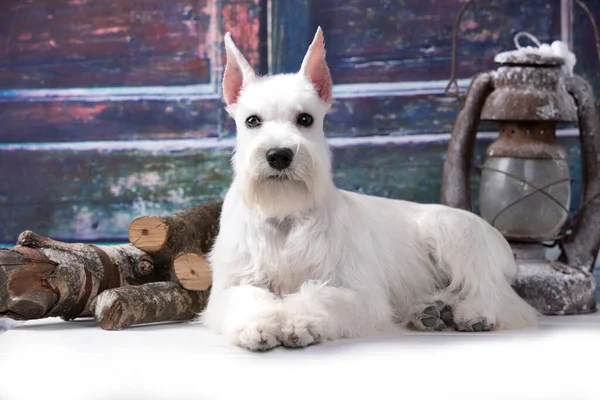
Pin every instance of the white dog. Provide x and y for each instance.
(298, 261)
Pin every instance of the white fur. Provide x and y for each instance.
(298, 261)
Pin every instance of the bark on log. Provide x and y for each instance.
(118, 308)
(41, 277)
(190, 231)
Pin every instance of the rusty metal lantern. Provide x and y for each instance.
(525, 189)
(525, 184)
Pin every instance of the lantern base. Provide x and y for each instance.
(554, 288)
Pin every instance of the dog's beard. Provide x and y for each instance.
(289, 192)
(278, 197)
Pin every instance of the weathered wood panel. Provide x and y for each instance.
(65, 43)
(243, 19)
(588, 64)
(246, 20)
(292, 32)
(391, 115)
(410, 40)
(60, 121)
(385, 115)
(93, 193)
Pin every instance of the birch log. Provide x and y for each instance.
(118, 308)
(41, 277)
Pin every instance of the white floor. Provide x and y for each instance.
(52, 359)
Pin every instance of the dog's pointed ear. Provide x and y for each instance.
(238, 73)
(314, 67)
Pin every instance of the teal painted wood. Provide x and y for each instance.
(93, 190)
(391, 115)
(77, 192)
(292, 32)
(588, 64)
(410, 40)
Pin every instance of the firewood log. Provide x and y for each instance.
(41, 277)
(118, 308)
(180, 240)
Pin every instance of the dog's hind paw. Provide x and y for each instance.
(470, 316)
(480, 324)
(432, 317)
(300, 332)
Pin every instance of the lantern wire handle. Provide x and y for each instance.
(453, 82)
(529, 36)
(594, 25)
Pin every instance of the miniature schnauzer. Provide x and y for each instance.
(298, 261)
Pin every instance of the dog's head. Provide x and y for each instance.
(282, 162)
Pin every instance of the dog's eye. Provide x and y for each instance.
(253, 121)
(304, 119)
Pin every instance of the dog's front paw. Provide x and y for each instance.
(301, 331)
(260, 335)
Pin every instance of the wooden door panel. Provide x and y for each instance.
(245, 20)
(71, 121)
(76, 159)
(390, 115)
(93, 130)
(411, 40)
(390, 60)
(63, 43)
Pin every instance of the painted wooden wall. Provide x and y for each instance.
(111, 109)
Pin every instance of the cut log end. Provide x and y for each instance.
(24, 290)
(148, 234)
(192, 271)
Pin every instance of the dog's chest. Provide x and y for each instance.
(280, 256)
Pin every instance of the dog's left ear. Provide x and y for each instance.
(315, 68)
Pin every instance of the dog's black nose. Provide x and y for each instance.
(280, 158)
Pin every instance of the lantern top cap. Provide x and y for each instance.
(556, 54)
(529, 56)
(530, 85)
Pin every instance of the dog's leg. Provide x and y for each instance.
(479, 264)
(248, 316)
(318, 312)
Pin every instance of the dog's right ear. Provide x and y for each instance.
(315, 68)
(238, 73)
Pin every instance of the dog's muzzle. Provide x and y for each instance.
(280, 158)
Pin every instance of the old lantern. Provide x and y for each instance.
(525, 186)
